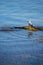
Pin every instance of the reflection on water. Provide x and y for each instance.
(21, 48)
(30, 34)
(39, 39)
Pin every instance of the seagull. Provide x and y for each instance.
(30, 23)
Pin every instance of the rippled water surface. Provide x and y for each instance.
(21, 47)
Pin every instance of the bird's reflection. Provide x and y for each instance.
(30, 34)
(37, 39)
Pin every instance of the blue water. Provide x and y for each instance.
(21, 47)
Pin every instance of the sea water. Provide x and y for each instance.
(21, 47)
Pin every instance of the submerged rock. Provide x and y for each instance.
(32, 28)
